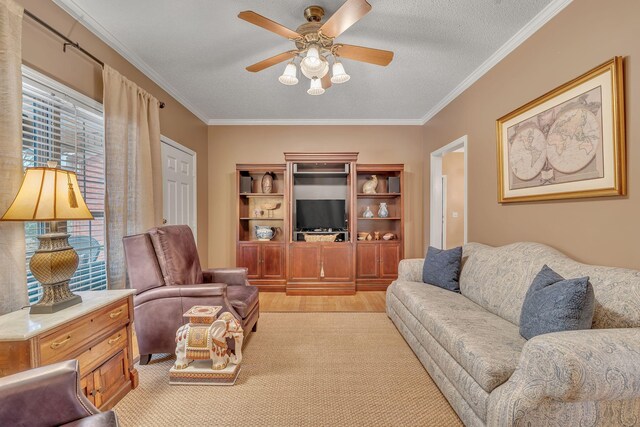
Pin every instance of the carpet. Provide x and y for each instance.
(302, 369)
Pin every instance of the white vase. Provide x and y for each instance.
(383, 212)
(367, 213)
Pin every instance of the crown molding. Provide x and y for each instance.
(316, 122)
(103, 34)
(544, 16)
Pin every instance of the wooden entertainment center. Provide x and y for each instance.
(297, 260)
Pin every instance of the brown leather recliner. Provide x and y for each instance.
(164, 268)
(49, 396)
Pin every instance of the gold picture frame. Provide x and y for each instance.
(568, 143)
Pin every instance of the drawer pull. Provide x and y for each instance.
(115, 314)
(112, 341)
(56, 344)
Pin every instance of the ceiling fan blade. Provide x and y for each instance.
(348, 14)
(268, 24)
(259, 66)
(326, 81)
(365, 54)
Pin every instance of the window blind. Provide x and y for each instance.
(65, 126)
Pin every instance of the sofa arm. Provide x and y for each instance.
(180, 291)
(44, 396)
(579, 368)
(230, 276)
(410, 270)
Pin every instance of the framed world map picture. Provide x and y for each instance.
(568, 143)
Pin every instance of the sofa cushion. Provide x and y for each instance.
(553, 304)
(499, 278)
(485, 345)
(442, 268)
(243, 298)
(177, 254)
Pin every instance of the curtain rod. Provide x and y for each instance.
(68, 41)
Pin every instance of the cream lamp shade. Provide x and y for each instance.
(51, 194)
(48, 194)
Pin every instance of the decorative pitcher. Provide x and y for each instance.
(264, 232)
(383, 212)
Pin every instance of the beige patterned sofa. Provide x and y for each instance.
(471, 346)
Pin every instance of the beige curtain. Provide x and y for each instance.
(13, 280)
(133, 201)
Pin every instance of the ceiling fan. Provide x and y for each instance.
(315, 44)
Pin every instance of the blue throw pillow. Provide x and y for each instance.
(553, 304)
(442, 268)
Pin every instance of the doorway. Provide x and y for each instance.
(448, 208)
(179, 204)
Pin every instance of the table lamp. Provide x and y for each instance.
(51, 194)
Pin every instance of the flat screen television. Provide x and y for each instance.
(312, 214)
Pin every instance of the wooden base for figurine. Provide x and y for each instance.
(199, 372)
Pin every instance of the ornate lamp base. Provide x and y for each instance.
(52, 265)
(55, 298)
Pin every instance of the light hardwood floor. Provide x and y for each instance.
(370, 301)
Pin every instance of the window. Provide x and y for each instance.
(65, 126)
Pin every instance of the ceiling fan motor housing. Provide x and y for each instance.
(314, 13)
(310, 31)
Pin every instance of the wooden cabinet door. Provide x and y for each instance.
(110, 378)
(87, 388)
(249, 257)
(272, 260)
(305, 262)
(389, 259)
(336, 263)
(367, 261)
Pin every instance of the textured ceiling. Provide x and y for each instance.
(199, 49)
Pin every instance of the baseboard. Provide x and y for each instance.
(372, 285)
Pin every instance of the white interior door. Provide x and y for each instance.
(178, 184)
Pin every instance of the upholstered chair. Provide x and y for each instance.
(49, 396)
(163, 267)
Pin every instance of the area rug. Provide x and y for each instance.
(302, 369)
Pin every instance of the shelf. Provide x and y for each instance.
(320, 232)
(367, 242)
(378, 195)
(378, 219)
(261, 219)
(261, 195)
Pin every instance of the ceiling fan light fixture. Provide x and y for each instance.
(314, 65)
(339, 74)
(313, 56)
(290, 75)
(316, 87)
(319, 71)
